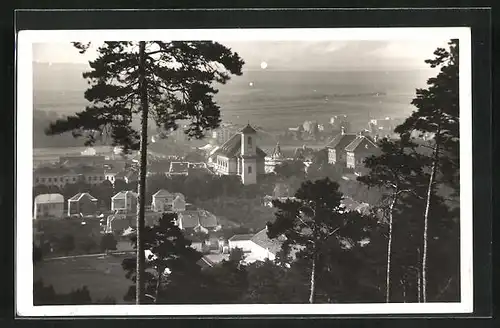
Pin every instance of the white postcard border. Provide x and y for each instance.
(24, 136)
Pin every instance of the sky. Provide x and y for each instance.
(298, 55)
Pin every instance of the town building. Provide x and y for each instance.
(82, 204)
(124, 201)
(336, 148)
(241, 156)
(197, 221)
(163, 201)
(92, 175)
(49, 206)
(55, 176)
(276, 158)
(257, 247)
(358, 150)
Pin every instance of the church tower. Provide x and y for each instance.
(248, 155)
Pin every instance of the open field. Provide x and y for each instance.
(103, 276)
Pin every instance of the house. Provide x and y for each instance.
(49, 206)
(197, 220)
(162, 201)
(125, 201)
(242, 241)
(336, 148)
(179, 203)
(82, 203)
(358, 150)
(241, 156)
(258, 247)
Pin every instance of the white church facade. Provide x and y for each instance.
(241, 156)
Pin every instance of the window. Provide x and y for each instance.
(42, 179)
(74, 178)
(249, 141)
(36, 180)
(101, 178)
(249, 169)
(49, 179)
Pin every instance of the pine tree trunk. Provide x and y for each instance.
(158, 284)
(419, 289)
(426, 216)
(139, 296)
(312, 295)
(389, 249)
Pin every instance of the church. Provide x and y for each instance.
(241, 156)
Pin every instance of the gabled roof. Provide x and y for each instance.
(80, 195)
(162, 193)
(272, 245)
(192, 219)
(232, 148)
(356, 142)
(241, 237)
(123, 194)
(341, 141)
(49, 199)
(248, 129)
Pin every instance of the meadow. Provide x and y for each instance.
(103, 275)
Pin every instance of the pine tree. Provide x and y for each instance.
(168, 81)
(437, 115)
(315, 221)
(171, 263)
(397, 170)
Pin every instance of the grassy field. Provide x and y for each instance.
(103, 276)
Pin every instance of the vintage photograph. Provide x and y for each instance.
(280, 168)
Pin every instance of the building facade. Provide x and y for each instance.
(241, 156)
(124, 201)
(336, 148)
(49, 206)
(358, 150)
(82, 204)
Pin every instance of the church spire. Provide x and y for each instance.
(277, 154)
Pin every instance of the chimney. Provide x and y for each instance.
(342, 130)
(360, 133)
